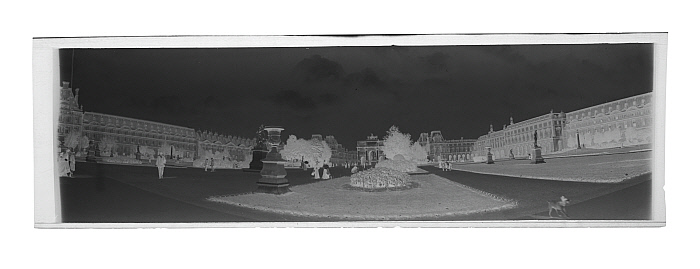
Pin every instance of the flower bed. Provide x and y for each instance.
(379, 178)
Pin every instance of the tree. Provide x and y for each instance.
(164, 149)
(419, 153)
(315, 151)
(148, 152)
(84, 143)
(321, 152)
(71, 140)
(107, 144)
(396, 142)
(295, 149)
(218, 155)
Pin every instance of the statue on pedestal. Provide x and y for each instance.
(536, 152)
(261, 138)
(260, 150)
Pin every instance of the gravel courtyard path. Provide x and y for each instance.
(600, 169)
(532, 194)
(114, 193)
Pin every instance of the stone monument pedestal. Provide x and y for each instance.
(489, 158)
(537, 156)
(273, 174)
(258, 155)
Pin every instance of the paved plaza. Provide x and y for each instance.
(599, 166)
(118, 194)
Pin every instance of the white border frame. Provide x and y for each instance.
(47, 207)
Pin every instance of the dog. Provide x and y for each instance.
(559, 206)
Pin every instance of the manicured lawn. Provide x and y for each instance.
(435, 197)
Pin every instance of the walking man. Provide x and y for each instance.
(160, 163)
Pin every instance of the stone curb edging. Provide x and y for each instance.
(595, 154)
(616, 181)
(361, 217)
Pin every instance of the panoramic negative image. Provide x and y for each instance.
(546, 132)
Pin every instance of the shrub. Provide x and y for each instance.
(379, 178)
(399, 164)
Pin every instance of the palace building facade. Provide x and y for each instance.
(439, 148)
(518, 138)
(234, 147)
(70, 117)
(117, 136)
(625, 122)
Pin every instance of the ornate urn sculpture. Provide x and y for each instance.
(273, 174)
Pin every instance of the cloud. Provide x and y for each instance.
(437, 61)
(435, 82)
(294, 100)
(171, 105)
(505, 53)
(213, 102)
(317, 68)
(365, 78)
(329, 98)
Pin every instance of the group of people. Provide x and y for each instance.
(66, 163)
(209, 165)
(445, 166)
(322, 173)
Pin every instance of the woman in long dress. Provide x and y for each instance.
(316, 173)
(326, 173)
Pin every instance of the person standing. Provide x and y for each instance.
(206, 164)
(71, 162)
(317, 172)
(160, 163)
(212, 164)
(326, 172)
(63, 169)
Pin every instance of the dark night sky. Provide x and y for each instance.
(350, 92)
